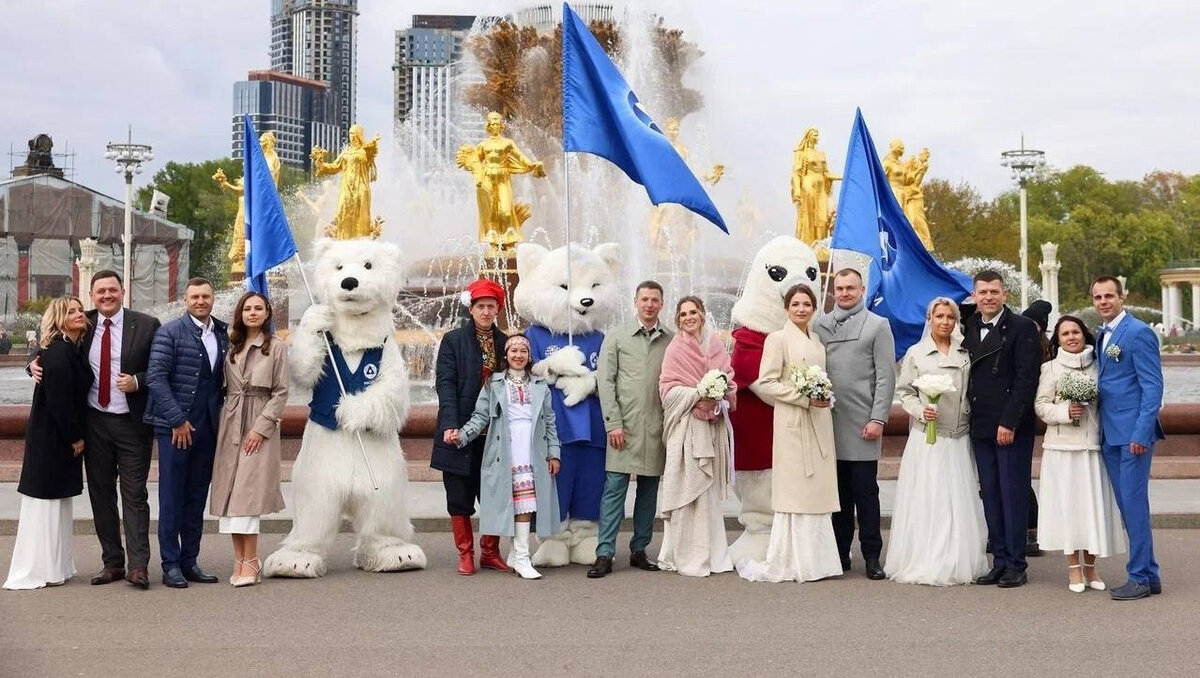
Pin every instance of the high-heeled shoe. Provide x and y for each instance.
(233, 578)
(250, 580)
(1081, 586)
(1094, 584)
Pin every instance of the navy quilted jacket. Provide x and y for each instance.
(174, 371)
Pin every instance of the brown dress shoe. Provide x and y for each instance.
(108, 575)
(139, 578)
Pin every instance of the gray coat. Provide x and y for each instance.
(496, 487)
(627, 381)
(861, 360)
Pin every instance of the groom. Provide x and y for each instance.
(1131, 392)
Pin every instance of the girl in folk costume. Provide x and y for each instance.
(52, 470)
(246, 469)
(699, 458)
(1079, 512)
(520, 455)
(804, 493)
(938, 529)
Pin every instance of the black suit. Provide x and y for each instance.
(1005, 367)
(459, 378)
(119, 446)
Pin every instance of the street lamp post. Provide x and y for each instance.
(1025, 164)
(128, 157)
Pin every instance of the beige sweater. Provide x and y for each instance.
(1061, 434)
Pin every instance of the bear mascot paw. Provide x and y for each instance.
(358, 281)
(566, 318)
(781, 263)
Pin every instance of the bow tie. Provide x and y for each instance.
(1103, 328)
(987, 326)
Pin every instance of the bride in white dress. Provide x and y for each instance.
(938, 531)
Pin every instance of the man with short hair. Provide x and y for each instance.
(185, 378)
(466, 358)
(860, 356)
(1006, 360)
(1131, 391)
(627, 380)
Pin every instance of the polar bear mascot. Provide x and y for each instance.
(780, 264)
(358, 281)
(553, 307)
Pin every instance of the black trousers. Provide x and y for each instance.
(463, 491)
(118, 449)
(858, 492)
(1004, 483)
(1033, 508)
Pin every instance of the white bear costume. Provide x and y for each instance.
(358, 280)
(783, 262)
(542, 296)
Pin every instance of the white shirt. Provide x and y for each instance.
(983, 331)
(209, 338)
(1112, 327)
(117, 404)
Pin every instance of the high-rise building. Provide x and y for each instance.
(318, 39)
(299, 110)
(428, 76)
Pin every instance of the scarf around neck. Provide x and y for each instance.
(841, 315)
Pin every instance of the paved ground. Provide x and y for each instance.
(435, 623)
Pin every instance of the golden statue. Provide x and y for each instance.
(671, 225)
(356, 164)
(914, 196)
(237, 248)
(812, 184)
(893, 168)
(492, 162)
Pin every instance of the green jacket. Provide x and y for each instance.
(627, 381)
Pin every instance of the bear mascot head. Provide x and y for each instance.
(781, 263)
(581, 304)
(350, 462)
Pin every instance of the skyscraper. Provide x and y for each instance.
(300, 112)
(427, 77)
(318, 39)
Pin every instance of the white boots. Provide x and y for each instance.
(519, 558)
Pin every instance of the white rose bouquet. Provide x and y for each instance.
(932, 386)
(713, 385)
(811, 381)
(1078, 388)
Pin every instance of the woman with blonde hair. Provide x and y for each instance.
(52, 470)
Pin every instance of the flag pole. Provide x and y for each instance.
(567, 191)
(341, 384)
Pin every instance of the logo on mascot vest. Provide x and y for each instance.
(371, 371)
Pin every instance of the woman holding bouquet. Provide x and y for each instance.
(938, 529)
(697, 434)
(1079, 514)
(804, 492)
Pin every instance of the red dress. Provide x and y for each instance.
(753, 421)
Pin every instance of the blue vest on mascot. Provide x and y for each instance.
(582, 422)
(326, 395)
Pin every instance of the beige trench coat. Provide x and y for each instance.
(804, 473)
(627, 382)
(256, 391)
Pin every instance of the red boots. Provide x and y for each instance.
(489, 552)
(465, 542)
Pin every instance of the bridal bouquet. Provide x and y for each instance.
(932, 386)
(713, 385)
(811, 381)
(1078, 388)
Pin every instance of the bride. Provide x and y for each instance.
(938, 531)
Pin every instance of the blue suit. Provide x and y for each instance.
(1131, 393)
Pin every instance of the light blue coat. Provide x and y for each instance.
(495, 487)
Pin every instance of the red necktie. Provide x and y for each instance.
(105, 358)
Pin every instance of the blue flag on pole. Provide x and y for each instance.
(269, 240)
(602, 116)
(904, 277)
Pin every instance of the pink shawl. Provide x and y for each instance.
(686, 362)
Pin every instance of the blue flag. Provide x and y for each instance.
(904, 277)
(602, 116)
(269, 240)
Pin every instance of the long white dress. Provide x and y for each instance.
(42, 551)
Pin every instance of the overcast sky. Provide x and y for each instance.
(1109, 83)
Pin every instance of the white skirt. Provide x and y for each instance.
(1077, 508)
(694, 541)
(802, 548)
(238, 524)
(42, 551)
(938, 534)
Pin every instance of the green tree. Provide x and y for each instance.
(965, 225)
(198, 203)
